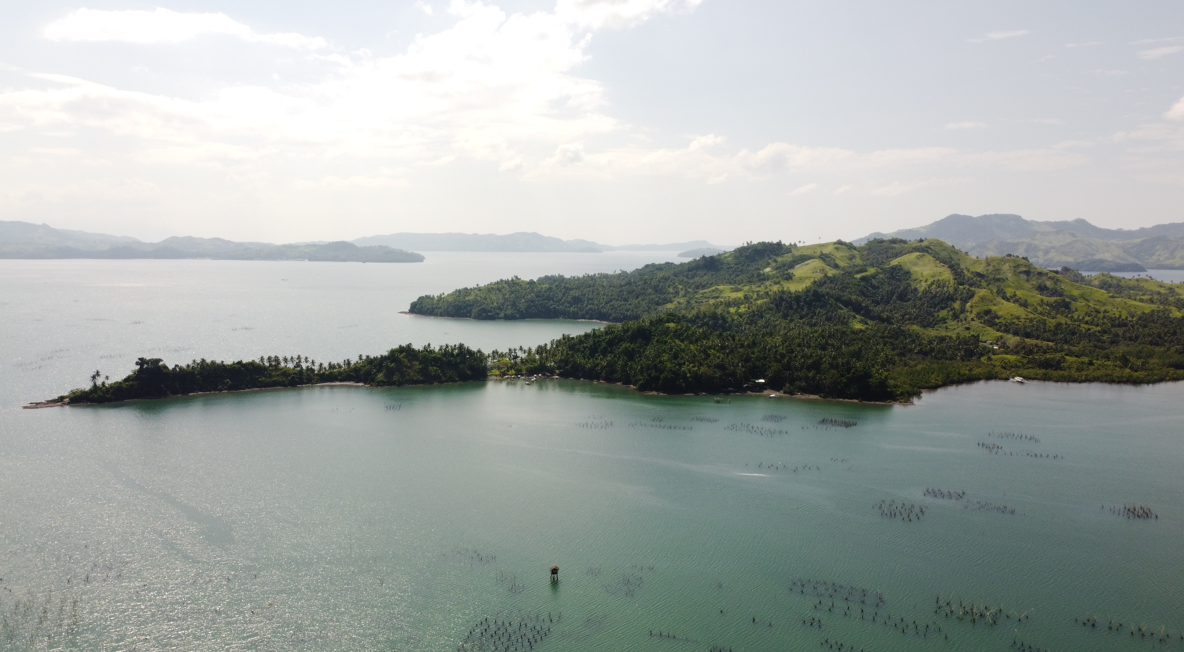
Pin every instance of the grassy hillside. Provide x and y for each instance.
(879, 321)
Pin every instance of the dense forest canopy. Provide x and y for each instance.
(403, 365)
(879, 321)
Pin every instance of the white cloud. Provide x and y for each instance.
(1083, 45)
(964, 125)
(1176, 112)
(1105, 72)
(489, 87)
(596, 14)
(571, 154)
(1148, 41)
(163, 26)
(424, 7)
(696, 162)
(1156, 53)
(495, 88)
(998, 36)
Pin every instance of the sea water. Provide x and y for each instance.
(427, 518)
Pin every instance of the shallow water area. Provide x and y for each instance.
(992, 516)
(354, 518)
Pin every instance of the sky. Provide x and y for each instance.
(619, 121)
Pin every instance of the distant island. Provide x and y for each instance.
(700, 252)
(880, 321)
(1076, 243)
(26, 240)
(521, 242)
(40, 241)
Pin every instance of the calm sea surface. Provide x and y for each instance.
(344, 518)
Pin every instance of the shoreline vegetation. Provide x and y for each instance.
(402, 365)
(880, 322)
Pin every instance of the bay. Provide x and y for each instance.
(345, 518)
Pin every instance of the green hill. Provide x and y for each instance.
(880, 321)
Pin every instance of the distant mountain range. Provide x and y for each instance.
(28, 240)
(514, 242)
(1076, 243)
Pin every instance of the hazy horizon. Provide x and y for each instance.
(616, 121)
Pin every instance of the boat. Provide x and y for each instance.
(1018, 379)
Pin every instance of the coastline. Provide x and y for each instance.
(64, 401)
(590, 321)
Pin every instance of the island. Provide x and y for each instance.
(877, 322)
(23, 240)
(881, 322)
(402, 365)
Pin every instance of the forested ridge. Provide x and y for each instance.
(880, 321)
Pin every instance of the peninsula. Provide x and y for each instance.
(402, 365)
(881, 321)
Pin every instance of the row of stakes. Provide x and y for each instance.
(782, 466)
(902, 510)
(1142, 512)
(509, 635)
(1014, 435)
(975, 612)
(995, 449)
(1162, 635)
(527, 631)
(905, 626)
(835, 591)
(977, 505)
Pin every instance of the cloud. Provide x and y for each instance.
(424, 7)
(1083, 45)
(1176, 112)
(494, 88)
(571, 154)
(489, 87)
(163, 26)
(1148, 41)
(998, 36)
(595, 14)
(964, 125)
(1105, 72)
(1156, 53)
(782, 158)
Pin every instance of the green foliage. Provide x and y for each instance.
(882, 322)
(605, 297)
(403, 365)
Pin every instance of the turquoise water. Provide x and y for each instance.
(344, 518)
